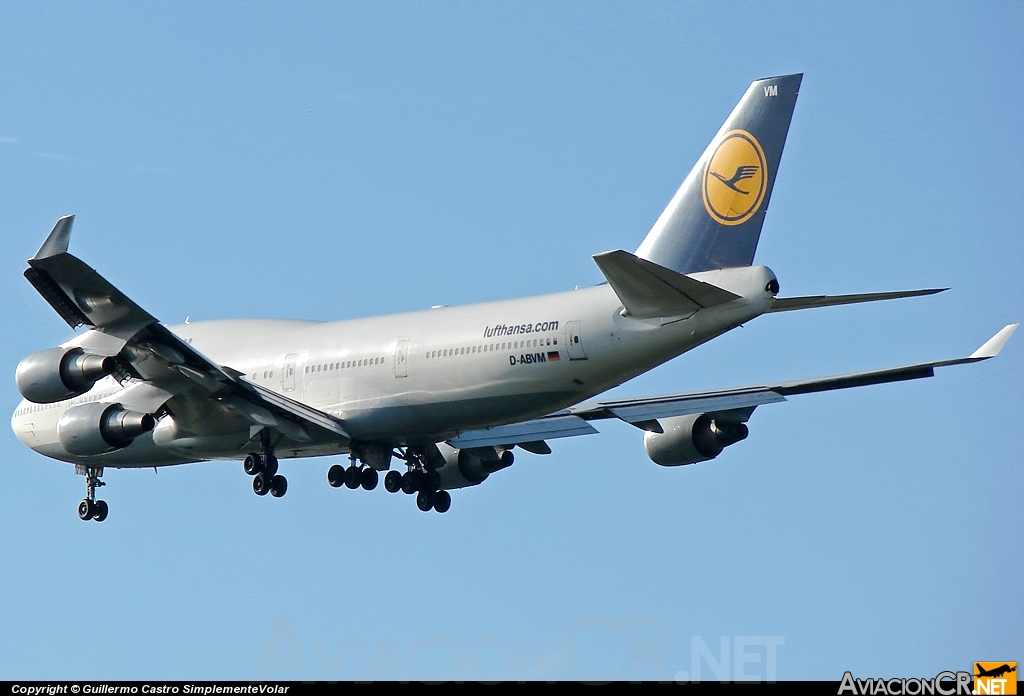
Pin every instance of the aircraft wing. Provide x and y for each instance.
(642, 410)
(161, 364)
(739, 402)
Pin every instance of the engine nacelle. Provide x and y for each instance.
(56, 374)
(98, 428)
(692, 439)
(469, 467)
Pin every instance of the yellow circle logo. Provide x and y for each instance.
(735, 178)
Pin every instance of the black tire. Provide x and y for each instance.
(392, 482)
(369, 478)
(442, 501)
(85, 509)
(278, 486)
(100, 510)
(270, 465)
(261, 484)
(253, 464)
(353, 477)
(430, 481)
(425, 501)
(336, 475)
(408, 483)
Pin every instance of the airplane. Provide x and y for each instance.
(449, 392)
(995, 672)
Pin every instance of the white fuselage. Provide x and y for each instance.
(424, 376)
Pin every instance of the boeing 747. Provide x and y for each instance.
(449, 393)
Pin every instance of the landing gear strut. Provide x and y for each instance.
(90, 508)
(420, 479)
(262, 466)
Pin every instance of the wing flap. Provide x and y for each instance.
(298, 410)
(546, 428)
(638, 411)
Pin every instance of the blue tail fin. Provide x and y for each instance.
(715, 218)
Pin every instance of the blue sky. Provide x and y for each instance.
(332, 160)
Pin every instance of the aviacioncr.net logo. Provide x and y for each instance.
(735, 178)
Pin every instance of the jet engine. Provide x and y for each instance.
(98, 428)
(469, 467)
(692, 439)
(56, 374)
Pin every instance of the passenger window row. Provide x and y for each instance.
(38, 408)
(345, 365)
(490, 347)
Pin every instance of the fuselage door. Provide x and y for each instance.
(402, 358)
(574, 339)
(288, 373)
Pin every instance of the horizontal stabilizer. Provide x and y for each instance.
(788, 304)
(648, 290)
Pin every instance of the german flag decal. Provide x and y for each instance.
(553, 356)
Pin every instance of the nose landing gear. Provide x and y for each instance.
(90, 508)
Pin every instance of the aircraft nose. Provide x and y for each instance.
(23, 427)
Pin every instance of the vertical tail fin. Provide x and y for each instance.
(715, 218)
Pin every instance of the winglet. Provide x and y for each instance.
(57, 241)
(995, 344)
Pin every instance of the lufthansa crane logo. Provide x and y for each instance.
(735, 178)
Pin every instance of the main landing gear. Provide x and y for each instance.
(265, 479)
(420, 479)
(353, 476)
(90, 508)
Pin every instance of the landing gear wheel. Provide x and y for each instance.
(85, 510)
(270, 465)
(353, 477)
(369, 478)
(392, 482)
(430, 481)
(278, 486)
(409, 483)
(442, 501)
(425, 501)
(336, 475)
(252, 464)
(261, 484)
(100, 509)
